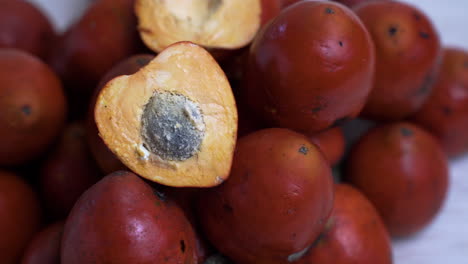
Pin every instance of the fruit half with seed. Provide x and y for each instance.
(174, 121)
(220, 24)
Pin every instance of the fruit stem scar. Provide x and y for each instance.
(304, 150)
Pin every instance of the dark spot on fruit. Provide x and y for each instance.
(465, 64)
(329, 10)
(392, 30)
(406, 132)
(182, 246)
(26, 109)
(447, 110)
(214, 5)
(162, 196)
(416, 16)
(303, 149)
(317, 109)
(293, 235)
(142, 61)
(424, 35)
(341, 121)
(228, 207)
(340, 43)
(426, 86)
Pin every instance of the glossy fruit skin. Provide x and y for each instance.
(275, 202)
(23, 26)
(121, 219)
(33, 106)
(68, 171)
(286, 3)
(105, 159)
(332, 144)
(403, 171)
(103, 36)
(408, 53)
(352, 3)
(355, 233)
(445, 112)
(270, 9)
(20, 216)
(44, 248)
(310, 67)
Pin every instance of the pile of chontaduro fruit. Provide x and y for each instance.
(218, 123)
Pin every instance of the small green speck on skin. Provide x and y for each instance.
(406, 132)
(329, 10)
(26, 109)
(303, 150)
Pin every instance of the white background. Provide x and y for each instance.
(446, 239)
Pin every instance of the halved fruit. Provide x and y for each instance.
(223, 24)
(174, 121)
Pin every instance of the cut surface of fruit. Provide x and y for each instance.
(174, 121)
(225, 24)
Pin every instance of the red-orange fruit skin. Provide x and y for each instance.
(352, 3)
(270, 9)
(44, 248)
(67, 172)
(332, 143)
(445, 112)
(33, 106)
(310, 67)
(24, 26)
(20, 216)
(286, 3)
(122, 220)
(408, 53)
(354, 233)
(275, 202)
(105, 159)
(103, 36)
(403, 171)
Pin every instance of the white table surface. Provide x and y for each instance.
(446, 239)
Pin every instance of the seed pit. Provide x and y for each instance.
(172, 126)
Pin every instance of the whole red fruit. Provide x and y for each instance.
(310, 68)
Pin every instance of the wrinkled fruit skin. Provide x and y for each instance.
(275, 202)
(68, 171)
(403, 171)
(408, 53)
(33, 107)
(332, 144)
(122, 220)
(44, 248)
(105, 159)
(20, 216)
(25, 27)
(354, 233)
(310, 68)
(445, 112)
